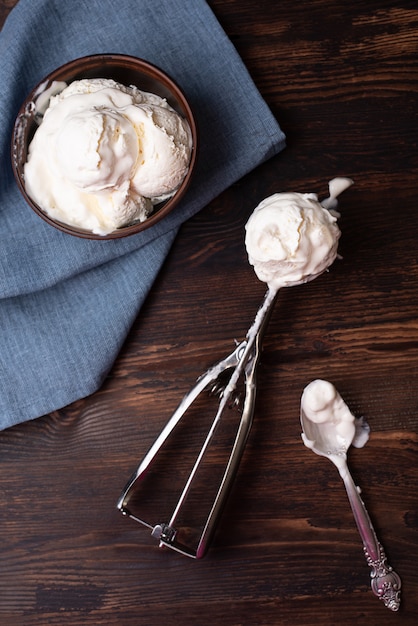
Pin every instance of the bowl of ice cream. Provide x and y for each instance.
(105, 146)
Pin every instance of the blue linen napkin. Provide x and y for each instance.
(67, 304)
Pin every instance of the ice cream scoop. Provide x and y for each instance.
(234, 378)
(329, 428)
(105, 154)
(291, 238)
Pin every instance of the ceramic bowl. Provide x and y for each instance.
(124, 69)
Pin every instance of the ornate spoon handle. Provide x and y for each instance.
(385, 582)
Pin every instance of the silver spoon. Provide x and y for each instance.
(329, 429)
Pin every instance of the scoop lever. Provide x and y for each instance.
(243, 363)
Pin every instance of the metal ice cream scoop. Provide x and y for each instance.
(233, 377)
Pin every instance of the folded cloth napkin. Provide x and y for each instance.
(66, 304)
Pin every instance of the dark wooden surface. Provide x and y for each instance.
(342, 79)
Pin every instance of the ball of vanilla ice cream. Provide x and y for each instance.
(95, 150)
(291, 238)
(105, 154)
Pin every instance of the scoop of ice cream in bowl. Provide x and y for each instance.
(105, 146)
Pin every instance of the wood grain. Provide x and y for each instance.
(343, 83)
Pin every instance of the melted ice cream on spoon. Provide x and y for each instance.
(329, 426)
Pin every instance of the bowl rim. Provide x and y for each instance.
(74, 69)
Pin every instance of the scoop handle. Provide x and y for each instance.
(385, 582)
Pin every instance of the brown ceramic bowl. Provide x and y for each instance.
(124, 69)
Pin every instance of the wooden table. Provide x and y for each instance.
(342, 79)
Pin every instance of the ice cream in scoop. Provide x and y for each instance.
(291, 238)
(105, 154)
